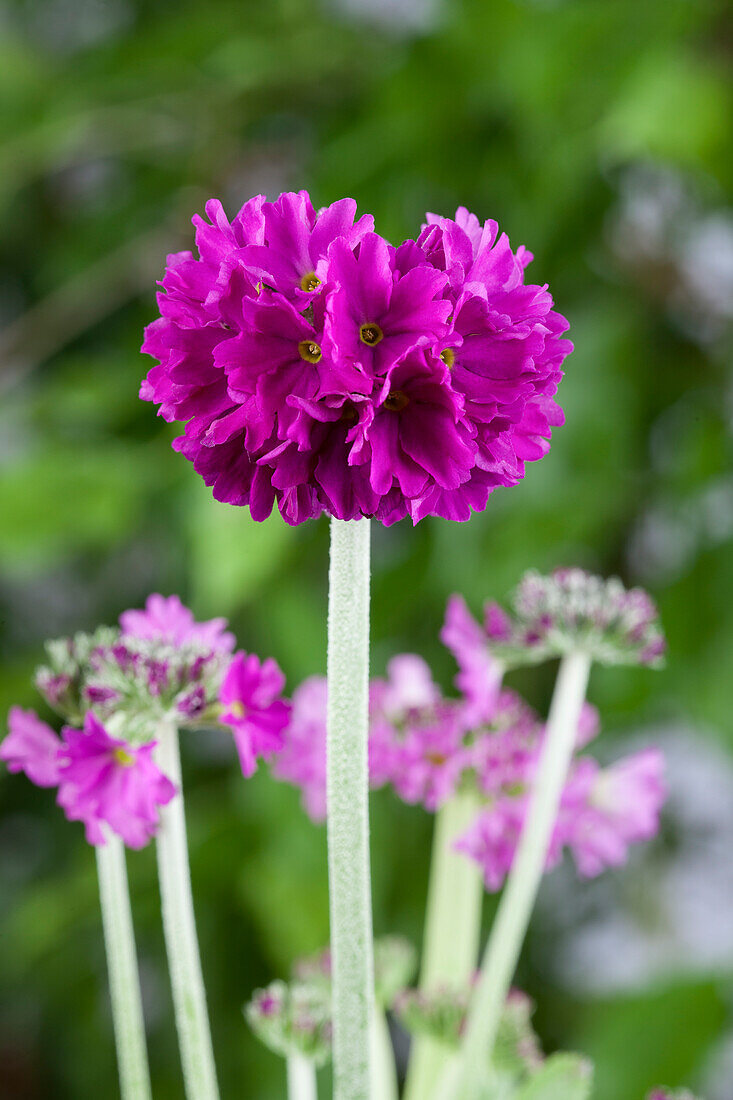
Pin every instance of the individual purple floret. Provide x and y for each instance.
(31, 747)
(318, 368)
(251, 704)
(106, 781)
(165, 619)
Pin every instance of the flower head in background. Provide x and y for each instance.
(670, 1094)
(395, 963)
(293, 1019)
(440, 1013)
(319, 368)
(554, 615)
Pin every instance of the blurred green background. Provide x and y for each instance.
(598, 133)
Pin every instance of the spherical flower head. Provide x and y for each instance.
(31, 747)
(605, 811)
(571, 609)
(106, 782)
(320, 369)
(165, 619)
(302, 759)
(293, 1019)
(440, 1013)
(251, 705)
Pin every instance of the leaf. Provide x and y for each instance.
(562, 1077)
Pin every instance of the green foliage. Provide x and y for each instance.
(117, 121)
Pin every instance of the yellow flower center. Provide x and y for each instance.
(396, 401)
(370, 334)
(448, 356)
(122, 756)
(310, 282)
(237, 709)
(310, 351)
(436, 758)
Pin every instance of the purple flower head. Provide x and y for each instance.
(252, 706)
(293, 1018)
(105, 781)
(302, 759)
(320, 369)
(31, 747)
(166, 620)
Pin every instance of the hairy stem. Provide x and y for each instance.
(348, 807)
(452, 931)
(301, 1078)
(124, 981)
(179, 927)
(517, 902)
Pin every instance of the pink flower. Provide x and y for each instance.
(165, 619)
(480, 673)
(31, 747)
(251, 705)
(605, 811)
(319, 368)
(431, 760)
(302, 760)
(105, 781)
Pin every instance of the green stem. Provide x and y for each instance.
(179, 927)
(124, 981)
(301, 1078)
(384, 1071)
(348, 808)
(452, 931)
(517, 902)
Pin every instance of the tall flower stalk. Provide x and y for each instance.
(124, 982)
(452, 930)
(301, 1073)
(348, 807)
(179, 926)
(512, 918)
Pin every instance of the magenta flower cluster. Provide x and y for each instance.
(161, 665)
(488, 740)
(320, 368)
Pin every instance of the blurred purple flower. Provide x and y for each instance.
(165, 619)
(31, 747)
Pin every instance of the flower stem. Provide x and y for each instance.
(301, 1078)
(124, 982)
(179, 927)
(452, 931)
(517, 902)
(384, 1072)
(348, 807)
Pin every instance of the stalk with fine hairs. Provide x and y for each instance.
(348, 808)
(301, 1073)
(452, 931)
(124, 981)
(515, 908)
(179, 927)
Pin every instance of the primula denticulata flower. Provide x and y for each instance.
(319, 368)
(115, 688)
